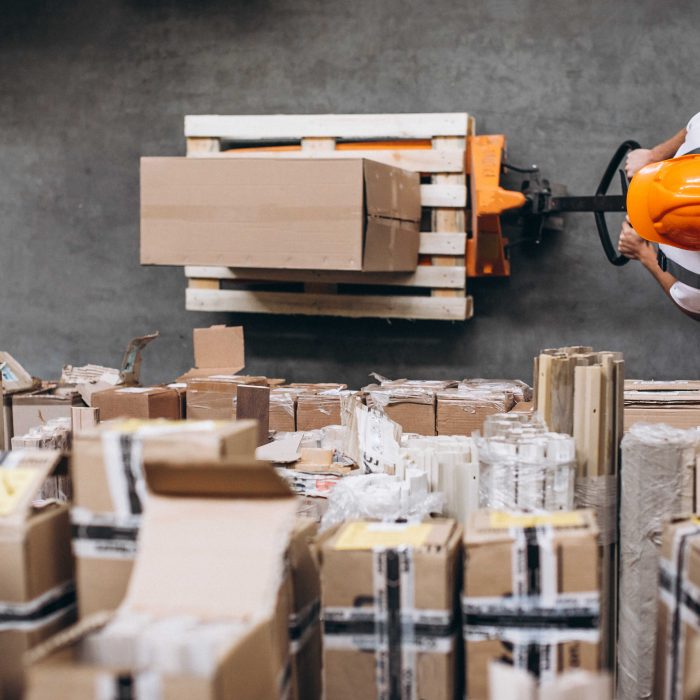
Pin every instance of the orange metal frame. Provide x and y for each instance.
(485, 253)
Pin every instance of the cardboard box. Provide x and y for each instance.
(107, 467)
(181, 388)
(522, 392)
(37, 595)
(310, 214)
(143, 402)
(304, 619)
(31, 409)
(217, 350)
(13, 377)
(408, 576)
(677, 674)
(463, 410)
(531, 594)
(675, 403)
(317, 410)
(89, 379)
(205, 637)
(283, 409)
(212, 398)
(410, 403)
(54, 435)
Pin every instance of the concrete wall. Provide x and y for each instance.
(86, 87)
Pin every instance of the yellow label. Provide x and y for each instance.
(14, 487)
(695, 519)
(501, 520)
(371, 535)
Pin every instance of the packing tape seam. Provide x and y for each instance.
(39, 611)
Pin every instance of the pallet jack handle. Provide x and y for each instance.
(603, 232)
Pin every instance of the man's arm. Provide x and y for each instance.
(635, 247)
(643, 156)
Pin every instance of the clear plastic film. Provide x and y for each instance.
(600, 494)
(501, 424)
(519, 389)
(657, 475)
(447, 462)
(381, 497)
(387, 392)
(54, 434)
(523, 467)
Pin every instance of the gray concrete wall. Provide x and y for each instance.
(88, 86)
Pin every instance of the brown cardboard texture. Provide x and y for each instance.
(13, 377)
(130, 370)
(36, 408)
(404, 573)
(315, 214)
(37, 596)
(217, 350)
(283, 409)
(317, 410)
(550, 560)
(677, 638)
(138, 402)
(234, 520)
(91, 379)
(100, 455)
(461, 412)
(675, 403)
(213, 398)
(304, 619)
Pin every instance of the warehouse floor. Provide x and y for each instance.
(89, 88)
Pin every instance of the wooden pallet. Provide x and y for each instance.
(436, 290)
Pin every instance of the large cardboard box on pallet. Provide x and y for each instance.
(206, 614)
(313, 214)
(107, 468)
(390, 604)
(37, 595)
(531, 594)
(677, 668)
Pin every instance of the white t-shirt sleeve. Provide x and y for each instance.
(686, 297)
(692, 137)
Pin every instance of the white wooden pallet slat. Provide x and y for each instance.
(423, 161)
(272, 127)
(452, 277)
(443, 196)
(443, 243)
(355, 306)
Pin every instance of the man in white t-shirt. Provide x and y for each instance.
(686, 263)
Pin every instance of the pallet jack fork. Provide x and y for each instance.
(487, 249)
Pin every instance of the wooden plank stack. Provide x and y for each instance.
(432, 144)
(581, 392)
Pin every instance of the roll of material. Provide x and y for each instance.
(658, 465)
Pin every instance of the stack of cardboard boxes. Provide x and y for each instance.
(37, 593)
(107, 470)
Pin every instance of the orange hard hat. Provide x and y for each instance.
(663, 202)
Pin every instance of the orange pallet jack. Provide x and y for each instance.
(535, 203)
